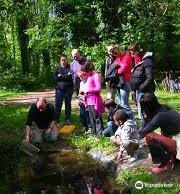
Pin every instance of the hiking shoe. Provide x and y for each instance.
(57, 125)
(88, 132)
(133, 158)
(68, 122)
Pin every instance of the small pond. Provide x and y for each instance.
(59, 171)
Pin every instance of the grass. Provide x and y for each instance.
(12, 125)
(168, 98)
(9, 94)
(151, 184)
(85, 143)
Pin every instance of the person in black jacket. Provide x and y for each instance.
(111, 107)
(109, 61)
(164, 147)
(64, 89)
(142, 80)
(40, 124)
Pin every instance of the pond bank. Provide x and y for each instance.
(59, 169)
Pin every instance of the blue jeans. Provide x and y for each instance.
(123, 95)
(60, 96)
(110, 130)
(138, 96)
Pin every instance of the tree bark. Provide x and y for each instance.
(23, 39)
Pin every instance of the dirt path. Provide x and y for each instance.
(49, 94)
(30, 97)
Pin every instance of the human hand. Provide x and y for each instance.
(27, 139)
(113, 139)
(118, 156)
(48, 130)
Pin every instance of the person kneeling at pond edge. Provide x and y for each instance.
(40, 125)
(126, 136)
(164, 147)
(111, 107)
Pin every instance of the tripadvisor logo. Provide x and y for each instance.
(139, 184)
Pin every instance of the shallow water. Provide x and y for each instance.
(65, 171)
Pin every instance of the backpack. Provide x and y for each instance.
(113, 79)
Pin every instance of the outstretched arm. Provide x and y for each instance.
(27, 131)
(151, 126)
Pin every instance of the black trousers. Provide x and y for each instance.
(95, 121)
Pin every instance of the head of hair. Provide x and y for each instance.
(41, 103)
(110, 47)
(87, 67)
(120, 115)
(116, 48)
(75, 51)
(63, 55)
(109, 103)
(136, 47)
(150, 105)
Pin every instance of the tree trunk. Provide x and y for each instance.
(22, 24)
(46, 61)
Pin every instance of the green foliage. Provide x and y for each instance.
(89, 142)
(96, 54)
(33, 33)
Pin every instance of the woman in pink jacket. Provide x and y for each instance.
(123, 90)
(93, 99)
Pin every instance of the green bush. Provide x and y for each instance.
(96, 54)
(13, 79)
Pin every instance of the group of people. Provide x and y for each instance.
(170, 83)
(128, 71)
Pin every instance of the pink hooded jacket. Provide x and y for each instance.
(124, 61)
(93, 92)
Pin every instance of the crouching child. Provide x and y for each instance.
(111, 107)
(126, 136)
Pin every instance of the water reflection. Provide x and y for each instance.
(62, 172)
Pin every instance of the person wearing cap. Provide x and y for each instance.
(75, 67)
(109, 61)
(40, 124)
(126, 136)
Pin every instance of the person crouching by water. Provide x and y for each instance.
(164, 147)
(126, 136)
(40, 125)
(64, 89)
(93, 98)
(111, 107)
